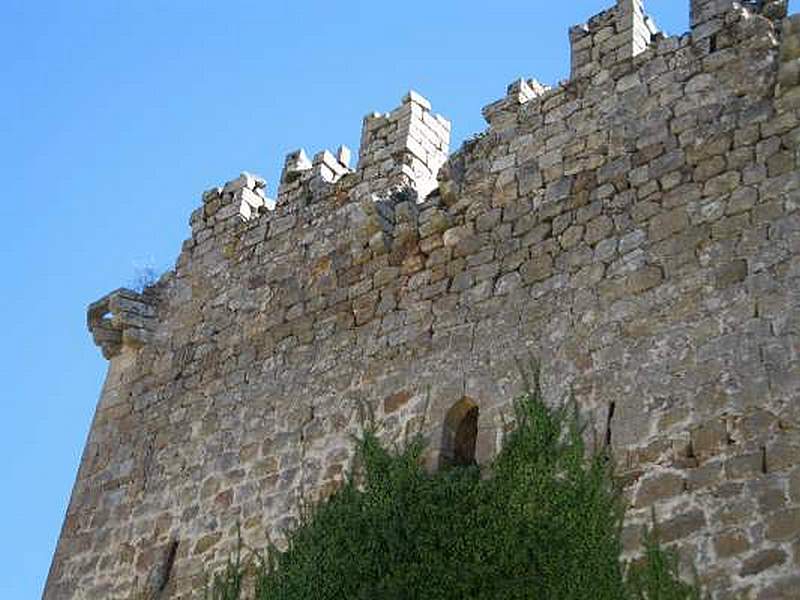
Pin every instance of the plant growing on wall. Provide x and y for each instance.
(544, 525)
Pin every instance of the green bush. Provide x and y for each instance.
(545, 524)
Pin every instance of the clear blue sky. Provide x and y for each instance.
(116, 115)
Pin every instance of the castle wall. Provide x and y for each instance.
(635, 229)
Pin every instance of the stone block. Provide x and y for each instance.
(781, 455)
(745, 466)
(784, 525)
(794, 485)
(731, 543)
(682, 526)
(709, 438)
(704, 476)
(343, 155)
(666, 224)
(644, 279)
(416, 98)
(722, 184)
(571, 236)
(781, 588)
(598, 229)
(539, 268)
(761, 561)
(507, 284)
(395, 402)
(730, 274)
(660, 486)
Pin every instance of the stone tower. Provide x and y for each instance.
(635, 228)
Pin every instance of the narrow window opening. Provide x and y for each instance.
(612, 407)
(466, 436)
(460, 435)
(690, 450)
(712, 44)
(169, 562)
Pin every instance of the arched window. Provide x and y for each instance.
(459, 435)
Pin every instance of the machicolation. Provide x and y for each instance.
(635, 228)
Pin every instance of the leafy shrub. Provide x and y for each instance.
(654, 578)
(545, 524)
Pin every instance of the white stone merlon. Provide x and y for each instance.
(301, 175)
(502, 113)
(344, 155)
(614, 35)
(296, 162)
(402, 149)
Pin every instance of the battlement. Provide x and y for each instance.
(317, 174)
(503, 113)
(404, 148)
(610, 37)
(705, 15)
(244, 197)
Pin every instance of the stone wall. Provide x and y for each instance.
(635, 229)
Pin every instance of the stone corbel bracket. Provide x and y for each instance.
(122, 319)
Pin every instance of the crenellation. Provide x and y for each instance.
(343, 155)
(244, 197)
(402, 149)
(303, 178)
(244, 181)
(328, 167)
(635, 229)
(296, 162)
(702, 11)
(789, 66)
(611, 37)
(502, 114)
(706, 17)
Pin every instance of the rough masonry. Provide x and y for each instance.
(635, 229)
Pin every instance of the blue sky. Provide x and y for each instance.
(117, 115)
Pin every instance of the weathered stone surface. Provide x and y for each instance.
(784, 525)
(794, 485)
(730, 544)
(761, 561)
(783, 588)
(682, 525)
(395, 402)
(635, 229)
(660, 486)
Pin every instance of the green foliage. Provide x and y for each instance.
(655, 577)
(544, 525)
(228, 584)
